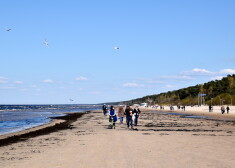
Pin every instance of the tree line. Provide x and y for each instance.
(216, 92)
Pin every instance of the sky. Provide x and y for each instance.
(164, 45)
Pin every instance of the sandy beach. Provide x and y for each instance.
(160, 140)
(204, 111)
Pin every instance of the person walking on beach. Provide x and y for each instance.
(210, 108)
(178, 106)
(227, 108)
(121, 114)
(104, 109)
(129, 114)
(222, 109)
(112, 116)
(136, 113)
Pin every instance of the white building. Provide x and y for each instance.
(143, 104)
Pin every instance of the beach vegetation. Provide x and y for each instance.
(216, 92)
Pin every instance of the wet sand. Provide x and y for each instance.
(160, 140)
(57, 123)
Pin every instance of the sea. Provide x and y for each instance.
(14, 118)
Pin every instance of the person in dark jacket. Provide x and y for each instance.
(136, 113)
(227, 108)
(210, 108)
(222, 109)
(129, 114)
(104, 109)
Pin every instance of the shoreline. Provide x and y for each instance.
(56, 123)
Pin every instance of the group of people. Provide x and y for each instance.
(131, 114)
(222, 109)
(178, 107)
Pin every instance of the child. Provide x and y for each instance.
(112, 116)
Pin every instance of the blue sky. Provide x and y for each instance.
(164, 45)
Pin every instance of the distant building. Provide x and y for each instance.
(144, 105)
(136, 105)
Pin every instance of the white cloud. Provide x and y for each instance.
(201, 71)
(132, 85)
(3, 80)
(197, 71)
(133, 93)
(154, 81)
(95, 92)
(8, 87)
(18, 82)
(169, 86)
(37, 94)
(177, 77)
(217, 78)
(81, 78)
(227, 71)
(48, 81)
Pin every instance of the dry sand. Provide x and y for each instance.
(160, 140)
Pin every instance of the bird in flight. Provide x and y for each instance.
(46, 43)
(71, 99)
(7, 29)
(116, 48)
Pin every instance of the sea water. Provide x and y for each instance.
(14, 118)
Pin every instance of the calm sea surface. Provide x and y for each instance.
(14, 118)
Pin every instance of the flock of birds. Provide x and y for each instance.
(47, 44)
(45, 40)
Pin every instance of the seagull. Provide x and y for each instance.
(7, 29)
(71, 99)
(116, 48)
(46, 43)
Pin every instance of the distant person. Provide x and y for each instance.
(136, 113)
(178, 107)
(121, 114)
(129, 114)
(227, 108)
(222, 109)
(104, 109)
(112, 116)
(210, 108)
